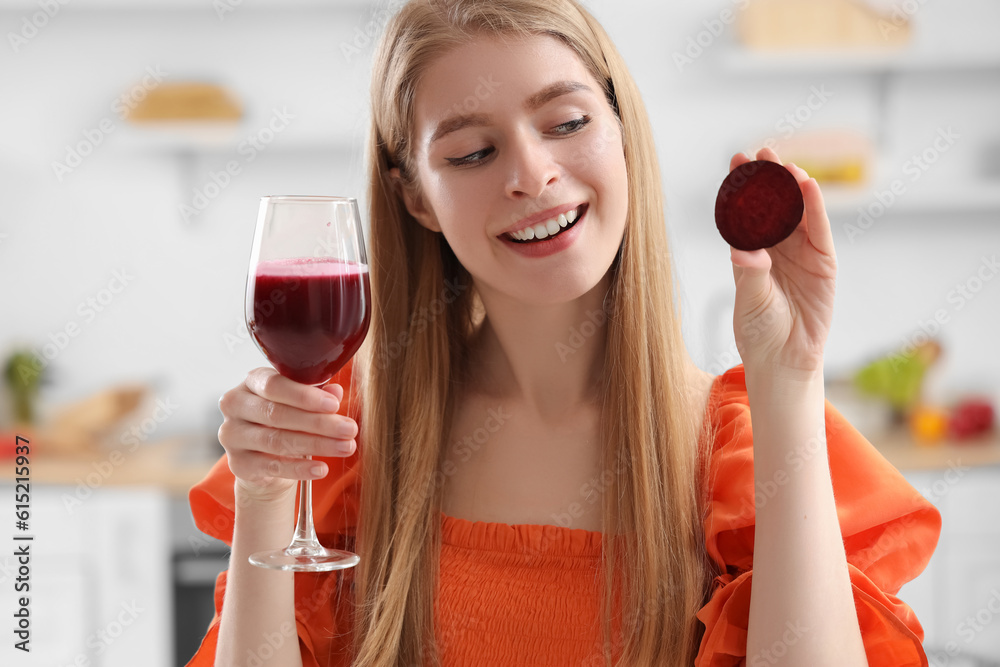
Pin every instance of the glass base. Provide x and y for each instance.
(305, 559)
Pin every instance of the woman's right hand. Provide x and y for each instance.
(272, 422)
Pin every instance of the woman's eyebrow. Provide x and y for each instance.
(533, 103)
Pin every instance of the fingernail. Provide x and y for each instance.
(330, 404)
(317, 470)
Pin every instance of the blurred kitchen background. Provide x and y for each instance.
(138, 136)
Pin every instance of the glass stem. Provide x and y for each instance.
(305, 533)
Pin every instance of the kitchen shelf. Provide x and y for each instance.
(31, 6)
(958, 194)
(222, 139)
(741, 61)
(982, 197)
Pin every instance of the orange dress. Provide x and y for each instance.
(528, 594)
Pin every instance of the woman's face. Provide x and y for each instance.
(510, 135)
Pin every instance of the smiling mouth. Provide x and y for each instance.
(581, 210)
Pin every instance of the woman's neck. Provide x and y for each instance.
(548, 358)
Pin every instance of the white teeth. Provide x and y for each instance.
(547, 228)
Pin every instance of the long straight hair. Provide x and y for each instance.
(427, 311)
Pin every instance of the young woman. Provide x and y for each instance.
(529, 464)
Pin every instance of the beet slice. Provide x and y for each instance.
(759, 205)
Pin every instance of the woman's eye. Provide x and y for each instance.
(574, 125)
(470, 158)
(567, 128)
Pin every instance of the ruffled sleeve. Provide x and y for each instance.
(889, 531)
(323, 628)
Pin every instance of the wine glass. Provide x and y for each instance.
(308, 306)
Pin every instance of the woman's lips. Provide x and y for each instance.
(550, 245)
(580, 210)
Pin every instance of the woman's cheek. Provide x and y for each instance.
(599, 152)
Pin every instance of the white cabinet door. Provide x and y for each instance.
(100, 578)
(958, 597)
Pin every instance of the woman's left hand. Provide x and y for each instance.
(784, 294)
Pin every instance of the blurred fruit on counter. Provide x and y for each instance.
(972, 417)
(964, 422)
(928, 424)
(898, 378)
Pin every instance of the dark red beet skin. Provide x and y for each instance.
(759, 205)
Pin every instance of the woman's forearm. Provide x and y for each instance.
(258, 613)
(802, 606)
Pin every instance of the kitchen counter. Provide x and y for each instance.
(906, 454)
(164, 464)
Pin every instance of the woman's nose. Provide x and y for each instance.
(531, 167)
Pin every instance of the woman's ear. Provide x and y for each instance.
(414, 202)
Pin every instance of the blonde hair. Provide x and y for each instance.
(426, 313)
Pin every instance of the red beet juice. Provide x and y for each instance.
(310, 315)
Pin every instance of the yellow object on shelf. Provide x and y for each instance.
(820, 24)
(841, 156)
(186, 101)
